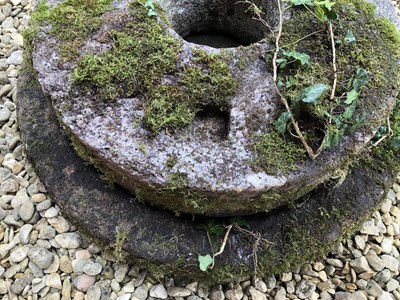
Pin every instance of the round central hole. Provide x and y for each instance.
(215, 39)
(221, 23)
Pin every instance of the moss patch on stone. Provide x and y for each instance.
(144, 62)
(275, 154)
(72, 21)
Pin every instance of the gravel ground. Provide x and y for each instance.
(42, 256)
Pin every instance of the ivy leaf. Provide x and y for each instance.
(281, 123)
(205, 262)
(151, 13)
(332, 137)
(303, 58)
(349, 112)
(349, 38)
(352, 97)
(331, 15)
(282, 62)
(313, 93)
(320, 13)
(395, 142)
(361, 79)
(380, 132)
(301, 2)
(326, 3)
(149, 4)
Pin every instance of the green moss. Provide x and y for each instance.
(40, 14)
(72, 21)
(120, 238)
(388, 152)
(276, 154)
(105, 173)
(142, 60)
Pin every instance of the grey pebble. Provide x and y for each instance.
(27, 210)
(120, 271)
(19, 254)
(24, 233)
(11, 271)
(280, 294)
(141, 292)
(18, 286)
(36, 271)
(43, 205)
(124, 297)
(69, 240)
(60, 224)
(78, 265)
(374, 261)
(7, 24)
(256, 294)
(235, 293)
(391, 263)
(10, 220)
(159, 291)
(94, 292)
(47, 233)
(392, 285)
(8, 186)
(304, 289)
(38, 284)
(92, 269)
(217, 294)
(176, 291)
(16, 58)
(51, 213)
(41, 257)
(373, 289)
(83, 282)
(360, 264)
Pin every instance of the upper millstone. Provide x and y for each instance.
(209, 163)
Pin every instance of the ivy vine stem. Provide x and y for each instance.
(221, 250)
(335, 75)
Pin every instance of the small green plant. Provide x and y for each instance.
(342, 123)
(336, 116)
(149, 5)
(292, 57)
(212, 229)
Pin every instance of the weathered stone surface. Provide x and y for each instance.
(77, 189)
(231, 179)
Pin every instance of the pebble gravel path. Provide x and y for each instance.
(42, 256)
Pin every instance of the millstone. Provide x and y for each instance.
(210, 164)
(212, 151)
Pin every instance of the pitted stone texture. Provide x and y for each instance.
(216, 170)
